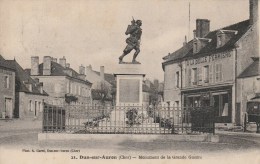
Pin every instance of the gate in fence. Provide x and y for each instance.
(127, 119)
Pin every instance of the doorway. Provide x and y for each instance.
(8, 113)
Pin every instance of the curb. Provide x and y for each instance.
(239, 133)
(121, 137)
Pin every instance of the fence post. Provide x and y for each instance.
(213, 114)
(245, 123)
(43, 113)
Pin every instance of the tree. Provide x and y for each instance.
(102, 92)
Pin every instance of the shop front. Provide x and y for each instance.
(219, 98)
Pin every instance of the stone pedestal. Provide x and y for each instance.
(129, 79)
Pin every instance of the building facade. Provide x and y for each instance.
(103, 86)
(249, 86)
(7, 90)
(205, 71)
(63, 84)
(29, 94)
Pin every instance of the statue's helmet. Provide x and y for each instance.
(139, 22)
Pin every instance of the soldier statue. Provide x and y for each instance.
(133, 41)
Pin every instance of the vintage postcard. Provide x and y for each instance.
(148, 81)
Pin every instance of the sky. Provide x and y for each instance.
(92, 32)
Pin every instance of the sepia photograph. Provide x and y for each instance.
(127, 81)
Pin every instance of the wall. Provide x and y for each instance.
(58, 86)
(225, 59)
(247, 89)
(27, 110)
(248, 46)
(94, 78)
(171, 92)
(6, 92)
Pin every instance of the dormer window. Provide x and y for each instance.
(195, 47)
(223, 36)
(30, 87)
(219, 41)
(199, 43)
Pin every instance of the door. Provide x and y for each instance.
(8, 108)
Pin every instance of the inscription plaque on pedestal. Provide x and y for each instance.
(129, 90)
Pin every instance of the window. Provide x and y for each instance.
(206, 74)
(68, 87)
(188, 77)
(30, 87)
(78, 90)
(199, 76)
(75, 89)
(6, 82)
(40, 106)
(195, 47)
(194, 76)
(176, 105)
(218, 72)
(177, 78)
(221, 104)
(30, 106)
(219, 41)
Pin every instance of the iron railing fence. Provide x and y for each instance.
(128, 119)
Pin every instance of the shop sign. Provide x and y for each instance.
(210, 58)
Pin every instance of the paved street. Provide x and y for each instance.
(24, 135)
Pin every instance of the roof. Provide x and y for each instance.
(187, 51)
(251, 70)
(108, 77)
(21, 77)
(59, 70)
(4, 64)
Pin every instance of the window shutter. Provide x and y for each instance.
(189, 77)
(200, 74)
(174, 79)
(210, 73)
(220, 72)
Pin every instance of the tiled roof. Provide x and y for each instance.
(211, 47)
(58, 70)
(251, 70)
(21, 77)
(108, 77)
(5, 64)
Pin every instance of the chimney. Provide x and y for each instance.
(202, 27)
(67, 65)
(81, 70)
(194, 34)
(35, 65)
(253, 11)
(54, 60)
(46, 65)
(62, 62)
(185, 41)
(102, 70)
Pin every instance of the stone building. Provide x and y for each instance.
(205, 70)
(103, 86)
(249, 85)
(29, 94)
(7, 89)
(63, 84)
